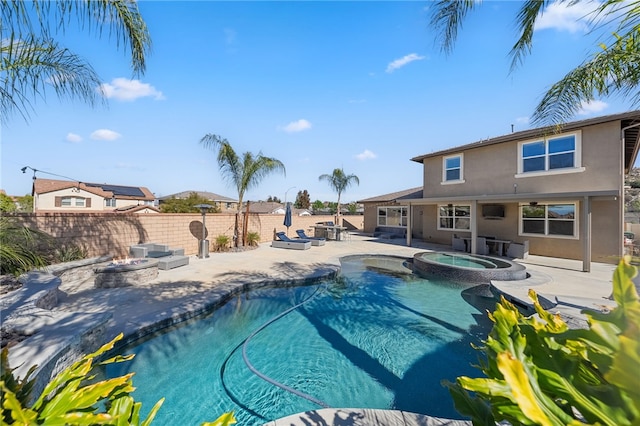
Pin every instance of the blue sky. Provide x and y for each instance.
(318, 85)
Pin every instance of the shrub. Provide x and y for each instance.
(73, 397)
(68, 253)
(253, 238)
(541, 372)
(222, 243)
(19, 248)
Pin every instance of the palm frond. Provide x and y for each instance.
(447, 17)
(615, 69)
(525, 21)
(31, 67)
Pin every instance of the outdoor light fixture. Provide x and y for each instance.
(203, 249)
(533, 203)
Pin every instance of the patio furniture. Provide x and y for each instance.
(168, 258)
(287, 243)
(315, 241)
(390, 232)
(458, 243)
(173, 261)
(518, 251)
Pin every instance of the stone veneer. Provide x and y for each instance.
(124, 275)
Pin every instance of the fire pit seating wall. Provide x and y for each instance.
(154, 251)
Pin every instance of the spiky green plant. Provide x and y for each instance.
(540, 372)
(18, 248)
(253, 238)
(73, 397)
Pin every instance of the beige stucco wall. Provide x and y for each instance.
(113, 234)
(492, 169)
(606, 244)
(47, 200)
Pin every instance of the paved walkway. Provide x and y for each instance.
(191, 288)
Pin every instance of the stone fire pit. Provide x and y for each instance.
(118, 274)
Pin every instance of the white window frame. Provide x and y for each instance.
(577, 156)
(110, 202)
(546, 234)
(73, 202)
(403, 215)
(453, 217)
(444, 169)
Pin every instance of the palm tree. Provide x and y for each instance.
(32, 62)
(613, 69)
(244, 172)
(339, 181)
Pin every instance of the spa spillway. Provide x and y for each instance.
(468, 267)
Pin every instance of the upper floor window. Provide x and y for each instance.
(110, 202)
(71, 202)
(557, 153)
(452, 169)
(452, 217)
(549, 220)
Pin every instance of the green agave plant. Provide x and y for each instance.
(540, 372)
(73, 397)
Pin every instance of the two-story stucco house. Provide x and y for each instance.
(559, 191)
(51, 195)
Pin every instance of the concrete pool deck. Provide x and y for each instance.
(192, 287)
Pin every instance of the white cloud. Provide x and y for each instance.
(105, 135)
(591, 107)
(399, 63)
(229, 35)
(124, 89)
(565, 17)
(72, 137)
(366, 155)
(297, 126)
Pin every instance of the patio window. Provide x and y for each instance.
(392, 216)
(452, 169)
(552, 220)
(552, 154)
(454, 217)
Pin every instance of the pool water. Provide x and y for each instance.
(376, 337)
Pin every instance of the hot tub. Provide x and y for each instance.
(468, 267)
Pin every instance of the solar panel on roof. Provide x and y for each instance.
(127, 191)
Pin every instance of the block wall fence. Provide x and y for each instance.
(112, 234)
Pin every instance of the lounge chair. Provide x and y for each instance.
(315, 241)
(285, 242)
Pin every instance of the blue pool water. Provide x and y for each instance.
(377, 337)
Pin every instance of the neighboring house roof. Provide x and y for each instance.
(135, 209)
(395, 196)
(266, 207)
(630, 127)
(121, 192)
(204, 194)
(269, 207)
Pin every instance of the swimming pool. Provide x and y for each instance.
(379, 336)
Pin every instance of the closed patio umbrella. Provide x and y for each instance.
(287, 217)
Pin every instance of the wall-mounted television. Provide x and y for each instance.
(493, 211)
